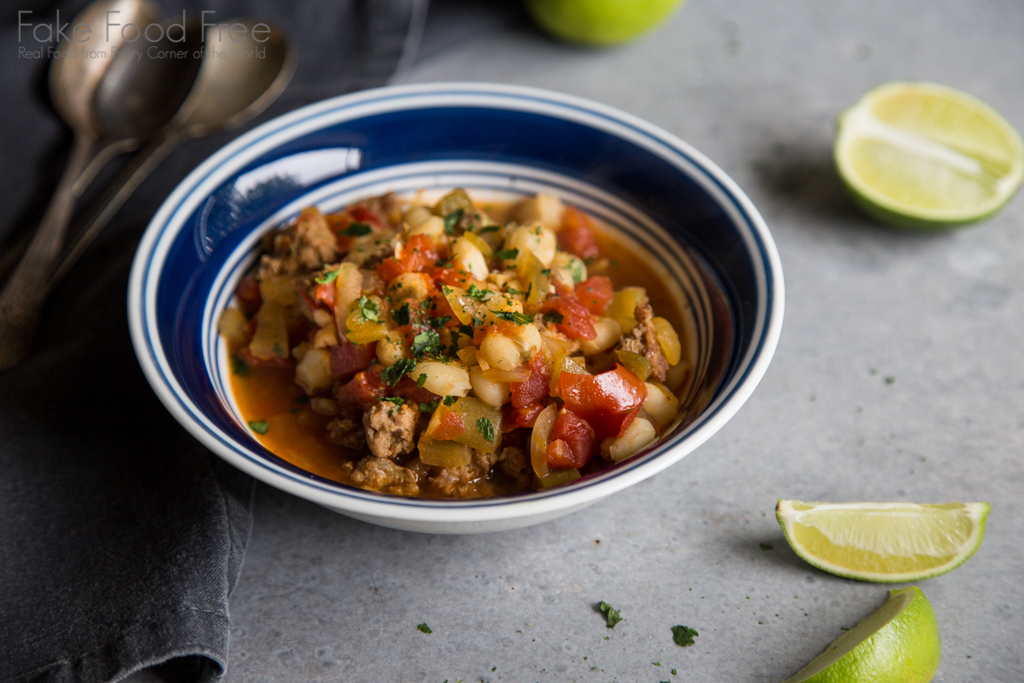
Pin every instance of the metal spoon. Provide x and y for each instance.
(110, 100)
(233, 85)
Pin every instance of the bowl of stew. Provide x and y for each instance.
(455, 308)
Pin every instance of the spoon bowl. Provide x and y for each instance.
(113, 101)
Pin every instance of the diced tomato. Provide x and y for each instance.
(626, 421)
(252, 361)
(362, 391)
(595, 293)
(347, 358)
(604, 400)
(576, 322)
(575, 437)
(577, 234)
(360, 213)
(535, 387)
(249, 297)
(389, 269)
(419, 254)
(410, 391)
(513, 418)
(450, 425)
(454, 277)
(325, 293)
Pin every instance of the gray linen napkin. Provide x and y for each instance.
(120, 536)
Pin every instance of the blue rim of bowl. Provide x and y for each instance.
(185, 199)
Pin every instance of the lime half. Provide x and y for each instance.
(922, 155)
(897, 643)
(883, 542)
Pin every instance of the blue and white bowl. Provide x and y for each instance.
(698, 229)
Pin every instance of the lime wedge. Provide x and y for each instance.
(897, 643)
(922, 155)
(884, 542)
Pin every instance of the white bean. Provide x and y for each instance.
(471, 258)
(608, 333)
(409, 286)
(499, 351)
(661, 404)
(432, 226)
(417, 214)
(443, 379)
(390, 349)
(545, 209)
(536, 239)
(490, 392)
(638, 435)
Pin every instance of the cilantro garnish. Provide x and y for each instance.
(259, 426)
(506, 254)
(430, 406)
(545, 271)
(390, 375)
(683, 635)
(443, 263)
(514, 316)
(368, 308)
(396, 400)
(612, 615)
(554, 317)
(402, 314)
(356, 229)
(449, 400)
(479, 294)
(421, 380)
(425, 343)
(327, 277)
(238, 366)
(489, 228)
(484, 426)
(278, 351)
(423, 628)
(466, 330)
(451, 220)
(440, 320)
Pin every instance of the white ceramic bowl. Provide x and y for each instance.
(697, 227)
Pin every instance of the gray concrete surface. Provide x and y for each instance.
(899, 377)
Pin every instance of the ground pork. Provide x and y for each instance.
(390, 428)
(306, 246)
(643, 339)
(380, 474)
(347, 433)
(514, 465)
(459, 482)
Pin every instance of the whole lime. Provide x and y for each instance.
(599, 22)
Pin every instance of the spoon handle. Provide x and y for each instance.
(128, 180)
(22, 297)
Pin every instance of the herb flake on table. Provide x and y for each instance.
(683, 635)
(423, 628)
(612, 616)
